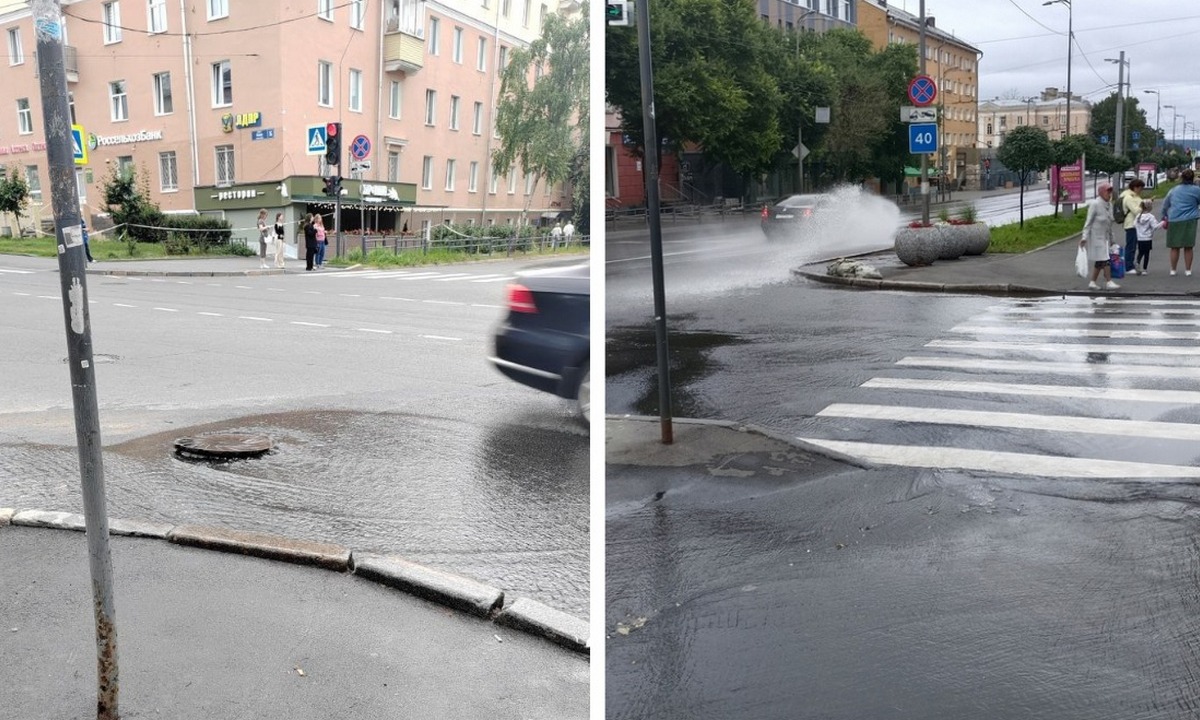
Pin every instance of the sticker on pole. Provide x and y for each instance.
(922, 90)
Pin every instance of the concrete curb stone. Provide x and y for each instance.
(436, 585)
(6, 516)
(542, 620)
(49, 519)
(139, 528)
(271, 547)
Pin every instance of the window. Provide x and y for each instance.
(989, 129)
(156, 16)
(125, 166)
(356, 80)
(542, 16)
(24, 116)
(430, 107)
(112, 22)
(481, 60)
(81, 186)
(222, 84)
(1003, 122)
(225, 175)
(393, 169)
(512, 179)
(457, 46)
(162, 94)
(454, 102)
(503, 57)
(324, 83)
(473, 176)
(529, 179)
(845, 10)
(34, 181)
(218, 9)
(16, 55)
(505, 7)
(168, 172)
(71, 105)
(357, 14)
(427, 172)
(450, 175)
(492, 180)
(394, 101)
(325, 9)
(118, 102)
(477, 119)
(525, 13)
(435, 35)
(829, 7)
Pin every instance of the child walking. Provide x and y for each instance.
(1145, 224)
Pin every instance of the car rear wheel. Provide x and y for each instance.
(583, 396)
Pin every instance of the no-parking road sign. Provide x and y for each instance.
(922, 90)
(360, 147)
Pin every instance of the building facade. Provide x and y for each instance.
(203, 97)
(953, 63)
(1047, 111)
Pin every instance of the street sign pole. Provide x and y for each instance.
(72, 266)
(924, 157)
(656, 249)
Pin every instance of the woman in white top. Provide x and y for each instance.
(1097, 236)
(264, 237)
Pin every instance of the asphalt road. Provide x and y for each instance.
(1024, 547)
(393, 432)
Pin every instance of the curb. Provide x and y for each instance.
(438, 586)
(186, 273)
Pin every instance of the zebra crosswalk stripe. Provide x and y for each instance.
(1038, 367)
(1079, 332)
(976, 345)
(1177, 397)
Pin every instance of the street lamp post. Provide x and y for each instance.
(1070, 40)
(1172, 109)
(1119, 146)
(1157, 115)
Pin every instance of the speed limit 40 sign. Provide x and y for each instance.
(922, 138)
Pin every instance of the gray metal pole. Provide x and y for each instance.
(72, 267)
(1120, 131)
(1070, 40)
(650, 134)
(800, 153)
(924, 156)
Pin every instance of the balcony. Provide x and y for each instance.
(403, 50)
(70, 64)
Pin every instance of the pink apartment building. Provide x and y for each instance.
(216, 103)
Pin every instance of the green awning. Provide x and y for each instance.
(916, 172)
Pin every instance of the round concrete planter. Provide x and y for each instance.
(979, 236)
(920, 245)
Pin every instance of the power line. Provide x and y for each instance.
(1087, 30)
(1039, 22)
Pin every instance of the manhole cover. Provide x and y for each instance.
(224, 445)
(98, 359)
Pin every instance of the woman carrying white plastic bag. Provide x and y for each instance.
(1081, 263)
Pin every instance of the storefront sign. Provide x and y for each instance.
(243, 194)
(381, 191)
(22, 148)
(229, 121)
(95, 140)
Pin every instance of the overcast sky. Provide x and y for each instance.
(1161, 40)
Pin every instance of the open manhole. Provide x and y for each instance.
(223, 446)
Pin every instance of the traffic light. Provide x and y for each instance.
(618, 13)
(333, 143)
(333, 185)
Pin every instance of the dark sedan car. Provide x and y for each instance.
(785, 217)
(543, 342)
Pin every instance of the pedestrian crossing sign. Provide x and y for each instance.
(78, 145)
(315, 140)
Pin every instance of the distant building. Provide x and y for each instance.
(214, 102)
(1047, 111)
(953, 63)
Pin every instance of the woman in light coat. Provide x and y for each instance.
(1097, 236)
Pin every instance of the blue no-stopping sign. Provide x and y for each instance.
(360, 147)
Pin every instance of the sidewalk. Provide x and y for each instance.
(1046, 271)
(204, 634)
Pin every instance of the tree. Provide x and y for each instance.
(1025, 149)
(712, 81)
(1104, 123)
(543, 123)
(14, 194)
(1067, 151)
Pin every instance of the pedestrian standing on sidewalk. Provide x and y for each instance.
(1131, 203)
(279, 240)
(1097, 236)
(310, 242)
(1181, 209)
(264, 237)
(1145, 225)
(86, 249)
(322, 240)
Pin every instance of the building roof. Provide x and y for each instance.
(903, 17)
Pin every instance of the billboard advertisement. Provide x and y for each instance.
(1066, 183)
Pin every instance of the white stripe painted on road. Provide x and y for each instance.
(22, 294)
(166, 309)
(389, 297)
(243, 287)
(440, 337)
(312, 292)
(124, 305)
(455, 276)
(309, 324)
(16, 272)
(211, 314)
(480, 305)
(1077, 332)
(1097, 311)
(50, 297)
(213, 284)
(276, 290)
(1092, 320)
(184, 282)
(502, 278)
(1175, 397)
(1003, 462)
(478, 278)
(427, 276)
(252, 317)
(443, 302)
(371, 330)
(974, 345)
(1035, 367)
(348, 295)
(1024, 421)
